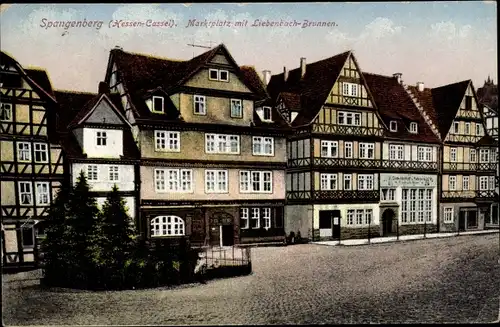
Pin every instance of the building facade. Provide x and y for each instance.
(97, 139)
(469, 162)
(31, 160)
(212, 164)
(361, 159)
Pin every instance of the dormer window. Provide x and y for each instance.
(101, 138)
(393, 126)
(158, 104)
(413, 128)
(266, 113)
(218, 75)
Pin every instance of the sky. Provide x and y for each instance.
(436, 43)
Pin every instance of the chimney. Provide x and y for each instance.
(420, 86)
(117, 47)
(398, 77)
(302, 67)
(103, 88)
(285, 73)
(266, 76)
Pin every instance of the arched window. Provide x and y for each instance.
(167, 226)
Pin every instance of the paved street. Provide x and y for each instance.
(440, 280)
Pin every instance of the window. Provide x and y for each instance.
(23, 151)
(236, 108)
(92, 173)
(42, 193)
(416, 206)
(455, 127)
(167, 226)
(388, 194)
(25, 193)
(41, 152)
(393, 126)
(347, 182)
(244, 223)
(5, 112)
(173, 180)
(218, 75)
(255, 218)
(483, 183)
(256, 181)
(266, 112)
(349, 118)
(213, 74)
(349, 89)
(467, 128)
(220, 143)
(424, 153)
(453, 154)
(452, 183)
(348, 150)
(200, 105)
(216, 181)
(468, 102)
(114, 173)
(448, 215)
(465, 183)
(158, 103)
(263, 146)
(366, 150)
(28, 236)
(479, 129)
(167, 141)
(223, 75)
(492, 182)
(359, 217)
(365, 182)
(266, 215)
(329, 149)
(396, 152)
(413, 128)
(472, 155)
(328, 182)
(484, 155)
(101, 138)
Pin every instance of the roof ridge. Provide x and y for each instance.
(75, 92)
(451, 84)
(150, 56)
(316, 62)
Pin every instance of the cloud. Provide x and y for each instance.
(449, 31)
(381, 27)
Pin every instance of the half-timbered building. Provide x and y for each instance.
(469, 159)
(31, 162)
(212, 153)
(97, 139)
(409, 160)
(335, 152)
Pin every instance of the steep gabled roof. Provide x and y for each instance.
(394, 103)
(91, 105)
(142, 73)
(313, 88)
(488, 96)
(75, 105)
(32, 76)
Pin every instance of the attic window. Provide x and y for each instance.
(158, 104)
(349, 89)
(218, 75)
(468, 102)
(266, 113)
(413, 128)
(393, 126)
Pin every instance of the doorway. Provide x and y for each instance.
(387, 222)
(226, 235)
(329, 224)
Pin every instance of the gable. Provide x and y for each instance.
(350, 76)
(201, 80)
(104, 113)
(220, 59)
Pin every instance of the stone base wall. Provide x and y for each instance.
(359, 233)
(417, 229)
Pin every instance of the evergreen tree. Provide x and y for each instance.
(83, 219)
(118, 231)
(56, 243)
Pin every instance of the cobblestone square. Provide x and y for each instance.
(440, 280)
